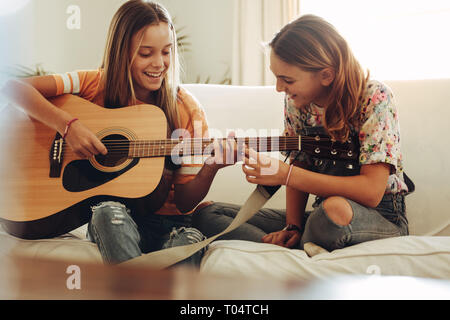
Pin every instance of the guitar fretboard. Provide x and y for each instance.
(167, 147)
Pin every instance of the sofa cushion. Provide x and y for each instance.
(70, 246)
(418, 256)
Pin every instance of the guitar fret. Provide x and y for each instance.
(140, 149)
(164, 148)
(130, 154)
(136, 148)
(145, 148)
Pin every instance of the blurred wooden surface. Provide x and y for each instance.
(25, 278)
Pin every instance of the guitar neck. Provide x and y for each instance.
(186, 147)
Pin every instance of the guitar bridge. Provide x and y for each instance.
(56, 156)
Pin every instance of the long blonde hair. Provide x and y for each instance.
(313, 44)
(130, 18)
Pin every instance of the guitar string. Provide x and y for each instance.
(199, 141)
(289, 143)
(303, 138)
(167, 150)
(205, 142)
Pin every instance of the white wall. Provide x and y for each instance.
(15, 43)
(62, 49)
(208, 24)
(38, 34)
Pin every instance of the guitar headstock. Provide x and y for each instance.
(321, 146)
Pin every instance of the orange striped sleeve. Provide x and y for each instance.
(193, 120)
(83, 83)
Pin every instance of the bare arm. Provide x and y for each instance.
(367, 188)
(189, 195)
(295, 209)
(31, 95)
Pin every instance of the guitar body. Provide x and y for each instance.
(36, 205)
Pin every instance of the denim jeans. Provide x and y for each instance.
(387, 220)
(216, 217)
(121, 236)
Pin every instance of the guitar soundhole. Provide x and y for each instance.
(82, 175)
(118, 147)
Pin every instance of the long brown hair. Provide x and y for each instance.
(130, 18)
(313, 44)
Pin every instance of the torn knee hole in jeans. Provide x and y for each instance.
(117, 219)
(191, 233)
(118, 216)
(175, 232)
(117, 210)
(196, 236)
(111, 204)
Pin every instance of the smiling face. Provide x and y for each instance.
(151, 60)
(302, 87)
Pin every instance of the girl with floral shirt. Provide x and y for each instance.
(327, 93)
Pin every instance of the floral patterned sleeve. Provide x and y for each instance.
(379, 135)
(291, 126)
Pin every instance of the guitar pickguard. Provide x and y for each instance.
(80, 175)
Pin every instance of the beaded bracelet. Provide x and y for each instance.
(68, 126)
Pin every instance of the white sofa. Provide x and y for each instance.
(424, 112)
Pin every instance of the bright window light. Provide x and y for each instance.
(394, 39)
(10, 6)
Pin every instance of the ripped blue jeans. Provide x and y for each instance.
(121, 236)
(385, 221)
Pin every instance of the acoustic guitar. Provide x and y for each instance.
(46, 190)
